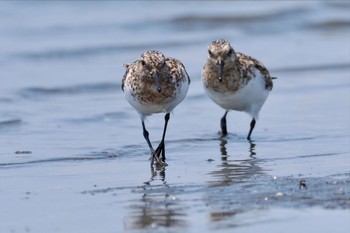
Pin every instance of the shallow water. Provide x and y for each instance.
(72, 155)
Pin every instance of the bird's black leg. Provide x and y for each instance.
(146, 136)
(161, 147)
(252, 125)
(223, 125)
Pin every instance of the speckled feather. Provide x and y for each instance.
(140, 86)
(236, 73)
(245, 82)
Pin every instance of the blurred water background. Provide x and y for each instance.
(72, 154)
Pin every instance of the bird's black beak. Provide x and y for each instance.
(157, 80)
(220, 64)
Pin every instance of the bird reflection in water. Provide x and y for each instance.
(158, 206)
(230, 184)
(233, 170)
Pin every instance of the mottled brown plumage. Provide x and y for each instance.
(155, 84)
(235, 81)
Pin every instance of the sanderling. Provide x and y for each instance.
(235, 81)
(154, 84)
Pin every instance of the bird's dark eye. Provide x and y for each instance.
(210, 53)
(143, 62)
(230, 52)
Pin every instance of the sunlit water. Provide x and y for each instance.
(72, 154)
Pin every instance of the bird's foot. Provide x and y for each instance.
(157, 161)
(222, 134)
(159, 156)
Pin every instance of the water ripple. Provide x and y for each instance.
(112, 116)
(242, 21)
(10, 123)
(330, 25)
(92, 156)
(310, 68)
(6, 100)
(97, 50)
(305, 156)
(69, 90)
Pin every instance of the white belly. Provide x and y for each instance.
(249, 98)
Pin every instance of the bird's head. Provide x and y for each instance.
(220, 52)
(153, 61)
